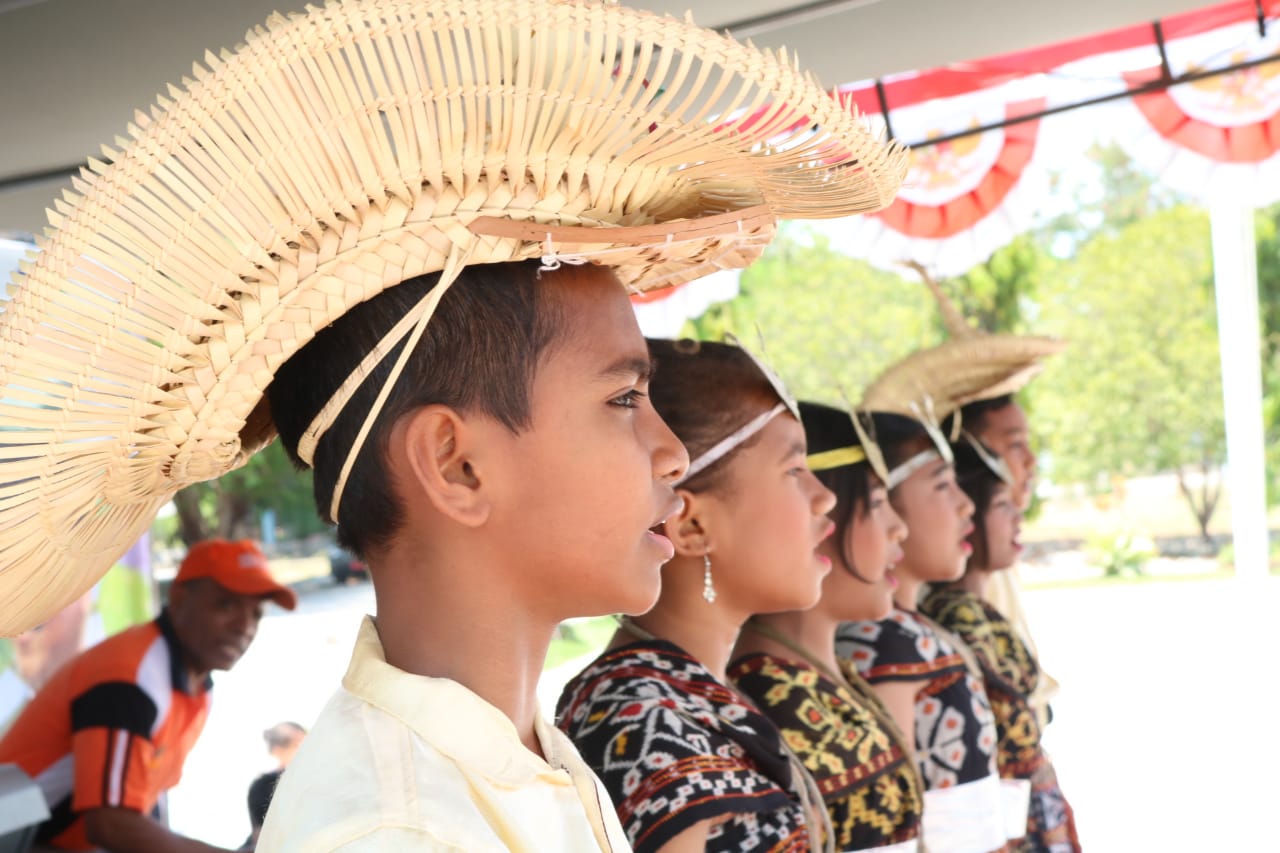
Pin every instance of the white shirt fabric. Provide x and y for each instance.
(402, 762)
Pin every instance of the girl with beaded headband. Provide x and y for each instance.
(786, 662)
(691, 763)
(922, 676)
(401, 237)
(1009, 669)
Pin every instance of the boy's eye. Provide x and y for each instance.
(629, 400)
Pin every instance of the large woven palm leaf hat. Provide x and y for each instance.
(335, 154)
(969, 366)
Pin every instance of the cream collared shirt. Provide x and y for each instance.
(405, 762)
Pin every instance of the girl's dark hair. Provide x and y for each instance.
(705, 391)
(479, 354)
(980, 483)
(828, 428)
(899, 437)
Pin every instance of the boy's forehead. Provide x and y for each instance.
(597, 323)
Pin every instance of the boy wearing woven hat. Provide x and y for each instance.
(295, 220)
(109, 733)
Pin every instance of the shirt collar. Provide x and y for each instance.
(178, 671)
(455, 721)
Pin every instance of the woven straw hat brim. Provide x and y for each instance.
(958, 372)
(335, 154)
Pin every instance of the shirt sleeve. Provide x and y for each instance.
(111, 728)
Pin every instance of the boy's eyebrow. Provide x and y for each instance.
(641, 366)
(943, 465)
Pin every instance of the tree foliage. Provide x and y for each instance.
(825, 320)
(1139, 391)
(232, 505)
(1126, 278)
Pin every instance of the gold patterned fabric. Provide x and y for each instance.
(1011, 674)
(847, 741)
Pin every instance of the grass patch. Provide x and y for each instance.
(578, 638)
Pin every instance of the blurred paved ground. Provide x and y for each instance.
(1163, 739)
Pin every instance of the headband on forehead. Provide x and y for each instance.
(867, 449)
(733, 440)
(925, 414)
(779, 387)
(994, 463)
(837, 458)
(899, 475)
(742, 434)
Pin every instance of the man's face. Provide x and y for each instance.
(1004, 430)
(214, 624)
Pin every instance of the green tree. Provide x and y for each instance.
(1118, 194)
(1267, 229)
(828, 321)
(231, 506)
(1001, 294)
(1139, 391)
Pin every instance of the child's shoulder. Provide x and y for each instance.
(901, 646)
(636, 680)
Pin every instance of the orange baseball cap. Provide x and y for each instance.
(239, 566)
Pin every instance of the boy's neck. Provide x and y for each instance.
(452, 623)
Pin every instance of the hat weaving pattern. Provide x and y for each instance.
(335, 154)
(971, 365)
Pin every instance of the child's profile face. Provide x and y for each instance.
(766, 523)
(873, 545)
(594, 471)
(939, 517)
(1002, 527)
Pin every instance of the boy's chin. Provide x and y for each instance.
(641, 602)
(637, 597)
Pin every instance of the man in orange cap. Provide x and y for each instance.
(110, 731)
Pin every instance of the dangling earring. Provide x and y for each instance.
(708, 588)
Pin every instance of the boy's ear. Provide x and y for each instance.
(690, 530)
(437, 446)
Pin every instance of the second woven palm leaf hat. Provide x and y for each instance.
(970, 365)
(333, 155)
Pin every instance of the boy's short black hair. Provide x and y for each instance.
(479, 354)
